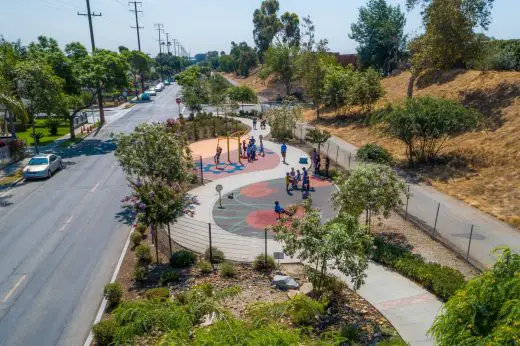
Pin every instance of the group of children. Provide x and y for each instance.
(293, 178)
(316, 163)
(249, 150)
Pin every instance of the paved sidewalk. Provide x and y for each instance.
(410, 308)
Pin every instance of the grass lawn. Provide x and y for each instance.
(40, 126)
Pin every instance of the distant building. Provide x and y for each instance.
(347, 59)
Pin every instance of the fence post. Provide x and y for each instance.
(265, 255)
(436, 217)
(201, 172)
(337, 153)
(407, 199)
(349, 157)
(170, 240)
(469, 245)
(301, 133)
(210, 244)
(328, 145)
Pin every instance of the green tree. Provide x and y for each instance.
(218, 87)
(140, 67)
(317, 136)
(337, 86)
(244, 58)
(152, 152)
(266, 25)
(449, 40)
(375, 189)
(283, 120)
(42, 89)
(379, 32)
(167, 64)
(339, 244)
(487, 310)
(242, 94)
(227, 64)
(290, 29)
(366, 89)
(281, 63)
(425, 124)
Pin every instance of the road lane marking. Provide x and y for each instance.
(18, 283)
(94, 188)
(65, 224)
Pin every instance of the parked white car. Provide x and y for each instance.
(42, 166)
(159, 87)
(152, 92)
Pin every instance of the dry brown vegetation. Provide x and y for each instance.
(481, 168)
(265, 89)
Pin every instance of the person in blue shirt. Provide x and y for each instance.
(283, 150)
(278, 209)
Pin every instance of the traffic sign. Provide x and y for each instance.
(178, 100)
(219, 187)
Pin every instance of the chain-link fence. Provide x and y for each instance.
(200, 236)
(442, 222)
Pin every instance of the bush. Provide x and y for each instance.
(140, 272)
(442, 281)
(182, 259)
(52, 125)
(227, 270)
(159, 293)
(136, 238)
(143, 254)
(169, 276)
(393, 341)
(218, 255)
(351, 332)
(205, 267)
(104, 332)
(305, 310)
(373, 153)
(259, 263)
(141, 228)
(113, 293)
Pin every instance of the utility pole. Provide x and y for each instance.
(99, 91)
(168, 43)
(159, 27)
(175, 47)
(137, 27)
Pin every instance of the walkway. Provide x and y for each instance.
(410, 308)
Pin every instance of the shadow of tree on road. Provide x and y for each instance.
(89, 147)
(4, 201)
(126, 216)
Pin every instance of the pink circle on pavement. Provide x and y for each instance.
(257, 190)
(261, 219)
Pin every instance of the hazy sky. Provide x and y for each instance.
(200, 25)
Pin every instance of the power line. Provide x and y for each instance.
(137, 27)
(159, 27)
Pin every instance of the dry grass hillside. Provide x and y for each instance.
(481, 168)
(265, 89)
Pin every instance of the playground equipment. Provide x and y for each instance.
(234, 136)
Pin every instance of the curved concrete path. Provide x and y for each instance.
(410, 308)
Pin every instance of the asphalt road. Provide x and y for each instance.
(60, 239)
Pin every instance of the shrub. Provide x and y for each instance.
(351, 332)
(52, 125)
(169, 276)
(259, 263)
(182, 259)
(143, 254)
(159, 293)
(104, 332)
(141, 228)
(227, 270)
(205, 267)
(218, 255)
(113, 293)
(305, 310)
(140, 272)
(393, 341)
(373, 153)
(136, 238)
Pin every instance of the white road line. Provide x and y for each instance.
(94, 188)
(18, 283)
(65, 224)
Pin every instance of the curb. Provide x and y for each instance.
(104, 302)
(14, 183)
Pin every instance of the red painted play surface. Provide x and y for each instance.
(261, 219)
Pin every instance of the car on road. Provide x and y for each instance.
(159, 87)
(42, 166)
(152, 92)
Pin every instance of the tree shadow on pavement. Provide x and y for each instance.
(125, 216)
(4, 201)
(89, 147)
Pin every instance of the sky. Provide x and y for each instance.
(202, 25)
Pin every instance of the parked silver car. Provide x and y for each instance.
(42, 166)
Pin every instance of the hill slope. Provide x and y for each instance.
(483, 168)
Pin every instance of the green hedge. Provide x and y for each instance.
(440, 280)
